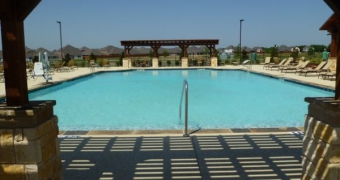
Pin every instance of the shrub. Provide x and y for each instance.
(100, 62)
(177, 62)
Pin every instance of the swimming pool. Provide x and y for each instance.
(149, 99)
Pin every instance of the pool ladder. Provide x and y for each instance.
(184, 88)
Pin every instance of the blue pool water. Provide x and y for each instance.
(150, 100)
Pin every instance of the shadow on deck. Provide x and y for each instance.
(239, 156)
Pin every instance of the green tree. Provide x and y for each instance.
(301, 47)
(121, 56)
(311, 52)
(67, 58)
(237, 53)
(151, 53)
(206, 51)
(318, 48)
(244, 55)
(93, 57)
(35, 59)
(294, 54)
(274, 51)
(165, 54)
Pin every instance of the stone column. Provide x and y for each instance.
(321, 143)
(185, 62)
(214, 62)
(29, 147)
(126, 63)
(155, 62)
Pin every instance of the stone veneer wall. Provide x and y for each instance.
(29, 147)
(155, 62)
(185, 62)
(214, 62)
(321, 143)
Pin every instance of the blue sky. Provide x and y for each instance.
(96, 24)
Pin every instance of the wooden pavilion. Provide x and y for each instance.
(183, 44)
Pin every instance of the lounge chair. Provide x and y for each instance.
(329, 75)
(2, 77)
(295, 68)
(65, 67)
(245, 62)
(266, 62)
(72, 65)
(106, 63)
(285, 64)
(326, 69)
(93, 65)
(277, 65)
(315, 70)
(36, 71)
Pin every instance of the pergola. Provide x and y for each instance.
(183, 44)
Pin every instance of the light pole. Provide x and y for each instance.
(61, 41)
(241, 39)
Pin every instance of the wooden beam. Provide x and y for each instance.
(17, 9)
(334, 5)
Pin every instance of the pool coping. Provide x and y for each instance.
(180, 132)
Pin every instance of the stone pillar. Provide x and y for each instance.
(321, 143)
(214, 62)
(126, 63)
(185, 62)
(29, 147)
(155, 62)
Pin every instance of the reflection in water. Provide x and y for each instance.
(155, 73)
(126, 73)
(213, 73)
(184, 73)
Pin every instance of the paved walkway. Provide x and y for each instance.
(222, 156)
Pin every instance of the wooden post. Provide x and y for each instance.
(335, 6)
(12, 16)
(127, 51)
(155, 50)
(12, 34)
(184, 50)
(334, 48)
(337, 76)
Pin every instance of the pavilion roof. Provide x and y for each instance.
(170, 42)
(331, 21)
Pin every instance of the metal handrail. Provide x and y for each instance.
(186, 88)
